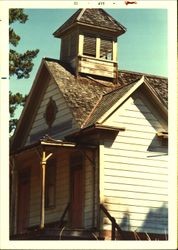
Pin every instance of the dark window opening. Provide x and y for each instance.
(106, 49)
(50, 184)
(89, 48)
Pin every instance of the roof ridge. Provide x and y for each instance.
(70, 19)
(121, 87)
(114, 20)
(141, 73)
(80, 14)
(89, 16)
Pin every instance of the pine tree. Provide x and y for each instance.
(20, 64)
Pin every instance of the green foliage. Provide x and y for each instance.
(15, 101)
(20, 64)
(17, 15)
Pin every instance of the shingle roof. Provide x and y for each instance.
(81, 94)
(159, 83)
(95, 17)
(84, 93)
(106, 102)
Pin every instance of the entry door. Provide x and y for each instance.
(77, 193)
(23, 201)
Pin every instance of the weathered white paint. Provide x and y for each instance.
(97, 66)
(62, 192)
(63, 115)
(89, 188)
(62, 196)
(136, 169)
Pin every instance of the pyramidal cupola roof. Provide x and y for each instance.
(97, 18)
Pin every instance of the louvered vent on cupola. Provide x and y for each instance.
(89, 45)
(89, 42)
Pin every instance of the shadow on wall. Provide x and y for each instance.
(154, 227)
(158, 145)
(156, 221)
(125, 223)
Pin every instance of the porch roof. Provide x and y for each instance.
(48, 141)
(45, 141)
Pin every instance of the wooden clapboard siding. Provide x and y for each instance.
(69, 46)
(88, 197)
(35, 194)
(62, 192)
(64, 117)
(130, 145)
(62, 189)
(97, 67)
(136, 169)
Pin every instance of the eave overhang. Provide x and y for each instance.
(60, 32)
(48, 143)
(146, 87)
(97, 130)
(162, 134)
(45, 143)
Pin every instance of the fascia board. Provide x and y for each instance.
(120, 101)
(28, 100)
(156, 99)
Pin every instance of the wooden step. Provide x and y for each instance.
(57, 233)
(79, 234)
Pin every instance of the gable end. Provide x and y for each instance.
(31, 105)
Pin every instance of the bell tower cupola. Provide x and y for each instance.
(89, 42)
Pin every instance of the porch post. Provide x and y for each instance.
(43, 164)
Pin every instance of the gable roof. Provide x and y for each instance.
(106, 102)
(97, 18)
(112, 100)
(88, 97)
(84, 93)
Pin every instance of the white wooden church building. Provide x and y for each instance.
(89, 157)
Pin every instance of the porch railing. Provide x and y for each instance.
(114, 225)
(64, 214)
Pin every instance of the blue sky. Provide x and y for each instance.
(143, 48)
